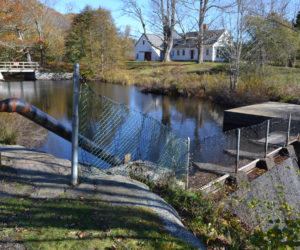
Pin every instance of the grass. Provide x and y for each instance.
(8, 129)
(64, 223)
(211, 80)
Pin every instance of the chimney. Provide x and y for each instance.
(205, 26)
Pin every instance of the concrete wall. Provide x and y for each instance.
(143, 46)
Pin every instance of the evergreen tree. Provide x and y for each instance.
(297, 22)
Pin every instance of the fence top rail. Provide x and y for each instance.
(19, 65)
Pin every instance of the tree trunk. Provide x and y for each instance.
(168, 29)
(27, 54)
(202, 12)
(167, 52)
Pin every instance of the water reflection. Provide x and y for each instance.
(188, 117)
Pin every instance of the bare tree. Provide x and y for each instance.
(235, 44)
(202, 7)
(163, 13)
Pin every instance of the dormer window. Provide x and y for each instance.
(143, 42)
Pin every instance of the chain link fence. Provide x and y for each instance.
(125, 136)
(121, 136)
(238, 147)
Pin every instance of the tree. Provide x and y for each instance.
(275, 39)
(94, 41)
(15, 27)
(297, 21)
(163, 14)
(31, 28)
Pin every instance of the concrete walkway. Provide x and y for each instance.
(45, 176)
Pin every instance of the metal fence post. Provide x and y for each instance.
(267, 138)
(75, 124)
(288, 130)
(238, 150)
(188, 144)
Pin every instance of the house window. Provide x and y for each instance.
(178, 52)
(143, 42)
(137, 56)
(172, 53)
(183, 52)
(207, 52)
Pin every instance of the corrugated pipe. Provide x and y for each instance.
(48, 122)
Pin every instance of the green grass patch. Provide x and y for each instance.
(82, 224)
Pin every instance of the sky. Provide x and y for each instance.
(121, 20)
(65, 6)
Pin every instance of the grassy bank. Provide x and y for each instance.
(210, 80)
(15, 129)
(81, 224)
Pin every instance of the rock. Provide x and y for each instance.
(270, 162)
(53, 76)
(291, 151)
(242, 178)
(262, 199)
(144, 170)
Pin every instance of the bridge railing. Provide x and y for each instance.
(19, 65)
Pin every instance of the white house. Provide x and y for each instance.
(184, 49)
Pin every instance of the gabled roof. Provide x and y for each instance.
(190, 40)
(156, 40)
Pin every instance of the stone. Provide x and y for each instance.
(242, 179)
(291, 151)
(144, 170)
(280, 185)
(53, 76)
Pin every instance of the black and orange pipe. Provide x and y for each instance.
(48, 122)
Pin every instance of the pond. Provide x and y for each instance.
(187, 117)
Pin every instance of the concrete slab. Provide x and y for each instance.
(274, 139)
(213, 168)
(243, 154)
(254, 114)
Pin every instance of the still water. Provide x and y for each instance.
(187, 117)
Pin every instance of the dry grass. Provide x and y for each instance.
(15, 129)
(211, 80)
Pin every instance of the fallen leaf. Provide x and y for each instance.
(113, 246)
(120, 240)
